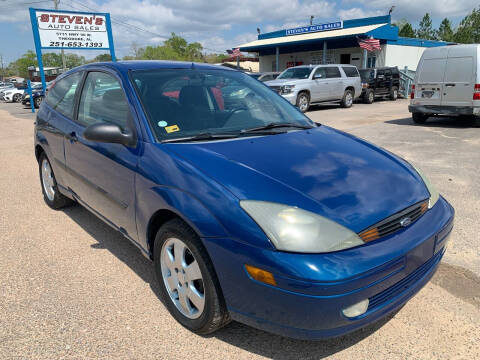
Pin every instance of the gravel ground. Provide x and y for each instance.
(72, 288)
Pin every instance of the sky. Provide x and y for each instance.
(216, 24)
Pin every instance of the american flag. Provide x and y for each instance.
(369, 44)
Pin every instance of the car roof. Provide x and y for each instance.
(154, 64)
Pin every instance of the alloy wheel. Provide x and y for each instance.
(48, 180)
(371, 97)
(183, 278)
(348, 99)
(303, 103)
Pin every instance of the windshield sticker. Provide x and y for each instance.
(162, 123)
(173, 128)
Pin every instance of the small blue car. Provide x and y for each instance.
(249, 210)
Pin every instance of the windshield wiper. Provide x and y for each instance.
(277, 125)
(203, 136)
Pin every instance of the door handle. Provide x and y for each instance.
(449, 85)
(72, 137)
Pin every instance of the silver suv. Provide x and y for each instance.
(311, 84)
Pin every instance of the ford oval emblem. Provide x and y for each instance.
(405, 221)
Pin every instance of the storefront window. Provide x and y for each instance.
(371, 61)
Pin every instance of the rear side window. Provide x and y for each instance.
(350, 71)
(103, 100)
(332, 72)
(459, 69)
(62, 96)
(432, 71)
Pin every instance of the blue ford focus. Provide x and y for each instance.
(249, 210)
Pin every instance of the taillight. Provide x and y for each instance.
(476, 92)
(412, 93)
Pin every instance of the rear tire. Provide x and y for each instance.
(303, 101)
(369, 97)
(176, 285)
(393, 93)
(419, 118)
(52, 196)
(347, 100)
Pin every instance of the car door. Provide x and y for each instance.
(319, 90)
(459, 81)
(102, 175)
(54, 121)
(335, 87)
(380, 82)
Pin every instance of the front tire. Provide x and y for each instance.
(189, 286)
(52, 196)
(369, 97)
(419, 118)
(347, 100)
(38, 101)
(303, 101)
(393, 93)
(17, 97)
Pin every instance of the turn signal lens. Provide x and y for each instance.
(261, 275)
(369, 235)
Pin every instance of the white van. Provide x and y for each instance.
(447, 82)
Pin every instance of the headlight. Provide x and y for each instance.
(293, 229)
(287, 89)
(434, 195)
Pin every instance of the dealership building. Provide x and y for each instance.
(338, 43)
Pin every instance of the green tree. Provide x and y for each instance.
(468, 31)
(407, 31)
(20, 66)
(73, 60)
(175, 48)
(102, 57)
(445, 31)
(52, 59)
(425, 29)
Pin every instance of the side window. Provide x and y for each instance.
(332, 72)
(351, 71)
(62, 96)
(380, 73)
(103, 100)
(320, 73)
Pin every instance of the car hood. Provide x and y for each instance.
(322, 170)
(281, 82)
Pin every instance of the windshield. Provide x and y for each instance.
(187, 102)
(296, 73)
(366, 74)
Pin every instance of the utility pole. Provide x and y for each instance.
(2, 74)
(55, 2)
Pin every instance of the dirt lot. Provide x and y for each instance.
(70, 287)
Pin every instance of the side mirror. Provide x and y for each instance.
(108, 133)
(315, 77)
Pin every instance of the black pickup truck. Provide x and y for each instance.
(379, 82)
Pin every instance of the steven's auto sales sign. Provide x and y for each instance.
(72, 30)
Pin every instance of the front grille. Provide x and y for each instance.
(276, 88)
(403, 285)
(395, 222)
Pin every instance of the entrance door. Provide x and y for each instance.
(344, 58)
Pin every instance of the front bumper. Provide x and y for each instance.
(444, 110)
(312, 289)
(291, 97)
